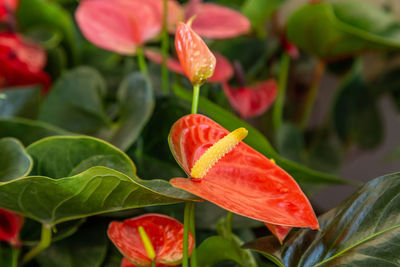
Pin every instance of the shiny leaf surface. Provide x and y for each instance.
(14, 160)
(19, 102)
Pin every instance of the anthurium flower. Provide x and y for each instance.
(10, 226)
(252, 101)
(163, 234)
(216, 21)
(241, 180)
(21, 62)
(223, 69)
(122, 25)
(196, 59)
(127, 263)
(6, 8)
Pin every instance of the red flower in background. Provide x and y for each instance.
(197, 61)
(216, 21)
(10, 226)
(165, 235)
(223, 69)
(122, 25)
(7, 7)
(252, 101)
(21, 62)
(127, 263)
(242, 181)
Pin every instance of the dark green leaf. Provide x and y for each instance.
(5, 255)
(256, 140)
(28, 131)
(62, 156)
(19, 102)
(95, 191)
(343, 28)
(363, 231)
(14, 161)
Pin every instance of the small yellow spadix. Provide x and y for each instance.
(272, 160)
(216, 152)
(147, 243)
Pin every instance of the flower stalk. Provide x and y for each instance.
(44, 243)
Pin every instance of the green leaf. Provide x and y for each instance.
(256, 140)
(77, 103)
(356, 115)
(136, 102)
(39, 13)
(62, 156)
(363, 231)
(87, 248)
(5, 255)
(27, 131)
(95, 191)
(14, 161)
(19, 102)
(343, 28)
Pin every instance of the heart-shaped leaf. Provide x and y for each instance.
(242, 181)
(19, 102)
(343, 28)
(28, 131)
(76, 103)
(363, 231)
(258, 141)
(14, 161)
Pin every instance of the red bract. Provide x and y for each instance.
(119, 25)
(7, 7)
(127, 263)
(165, 234)
(278, 230)
(243, 181)
(21, 62)
(10, 225)
(252, 101)
(196, 59)
(216, 21)
(223, 68)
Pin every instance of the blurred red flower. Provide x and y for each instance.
(7, 7)
(223, 68)
(243, 181)
(252, 101)
(122, 25)
(10, 226)
(21, 62)
(165, 234)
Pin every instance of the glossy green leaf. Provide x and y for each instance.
(19, 102)
(356, 115)
(95, 191)
(5, 255)
(256, 140)
(78, 103)
(14, 161)
(62, 156)
(28, 131)
(343, 28)
(87, 248)
(363, 231)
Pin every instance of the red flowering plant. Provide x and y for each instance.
(10, 226)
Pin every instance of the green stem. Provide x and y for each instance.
(153, 264)
(277, 114)
(15, 254)
(164, 48)
(311, 95)
(193, 257)
(186, 226)
(141, 60)
(229, 217)
(195, 101)
(45, 241)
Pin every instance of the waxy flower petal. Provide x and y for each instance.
(252, 101)
(196, 59)
(222, 73)
(279, 231)
(119, 25)
(243, 181)
(6, 8)
(10, 226)
(216, 21)
(165, 234)
(21, 62)
(126, 263)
